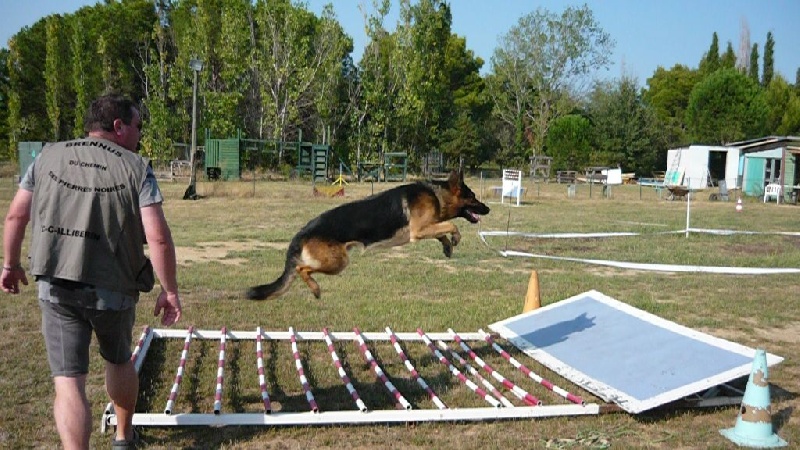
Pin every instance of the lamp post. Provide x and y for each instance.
(191, 192)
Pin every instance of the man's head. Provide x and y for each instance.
(115, 118)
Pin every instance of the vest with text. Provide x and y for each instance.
(86, 222)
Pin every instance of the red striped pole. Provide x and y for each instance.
(173, 394)
(137, 359)
(220, 370)
(298, 363)
(571, 397)
(342, 373)
(262, 381)
(414, 374)
(518, 391)
(401, 401)
(493, 390)
(457, 373)
(135, 355)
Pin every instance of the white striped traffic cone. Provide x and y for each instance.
(754, 425)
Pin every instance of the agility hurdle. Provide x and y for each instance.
(499, 407)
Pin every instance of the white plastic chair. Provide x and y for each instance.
(512, 185)
(772, 190)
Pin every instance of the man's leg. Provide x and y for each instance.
(71, 411)
(122, 386)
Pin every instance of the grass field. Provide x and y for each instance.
(235, 236)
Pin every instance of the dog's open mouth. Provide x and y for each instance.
(472, 217)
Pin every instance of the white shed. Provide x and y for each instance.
(699, 166)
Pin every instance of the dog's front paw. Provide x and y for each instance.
(456, 238)
(447, 247)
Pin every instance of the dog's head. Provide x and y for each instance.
(463, 200)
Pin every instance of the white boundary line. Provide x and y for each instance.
(643, 266)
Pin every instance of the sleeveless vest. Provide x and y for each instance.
(85, 218)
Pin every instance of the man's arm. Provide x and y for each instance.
(162, 255)
(19, 214)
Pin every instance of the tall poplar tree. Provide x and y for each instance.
(710, 62)
(53, 74)
(80, 58)
(728, 59)
(753, 70)
(769, 60)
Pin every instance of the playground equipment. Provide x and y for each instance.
(391, 166)
(225, 158)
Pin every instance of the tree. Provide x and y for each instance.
(790, 123)
(6, 152)
(569, 142)
(668, 93)
(54, 69)
(753, 72)
(726, 106)
(769, 60)
(540, 64)
(710, 62)
(783, 117)
(797, 81)
(625, 131)
(728, 59)
(471, 107)
(380, 77)
(425, 97)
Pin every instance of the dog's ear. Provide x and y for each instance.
(455, 180)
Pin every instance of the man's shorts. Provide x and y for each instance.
(67, 331)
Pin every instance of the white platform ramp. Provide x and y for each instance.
(625, 355)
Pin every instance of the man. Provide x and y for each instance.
(93, 203)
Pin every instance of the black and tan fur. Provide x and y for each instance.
(395, 217)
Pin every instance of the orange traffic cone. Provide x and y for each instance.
(739, 205)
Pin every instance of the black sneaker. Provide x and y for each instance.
(126, 445)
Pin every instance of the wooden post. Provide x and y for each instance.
(532, 300)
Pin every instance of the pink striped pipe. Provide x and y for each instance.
(414, 374)
(135, 355)
(571, 397)
(342, 374)
(457, 373)
(220, 369)
(493, 390)
(136, 358)
(173, 394)
(518, 391)
(303, 380)
(262, 381)
(401, 401)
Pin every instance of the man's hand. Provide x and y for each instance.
(170, 304)
(10, 279)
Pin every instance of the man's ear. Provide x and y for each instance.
(118, 126)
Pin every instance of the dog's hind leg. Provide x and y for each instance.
(305, 273)
(321, 256)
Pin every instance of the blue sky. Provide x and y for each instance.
(648, 33)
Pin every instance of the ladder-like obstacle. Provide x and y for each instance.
(498, 406)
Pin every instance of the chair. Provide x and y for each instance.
(772, 190)
(512, 185)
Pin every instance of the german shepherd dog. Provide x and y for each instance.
(395, 217)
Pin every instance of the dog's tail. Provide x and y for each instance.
(281, 285)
